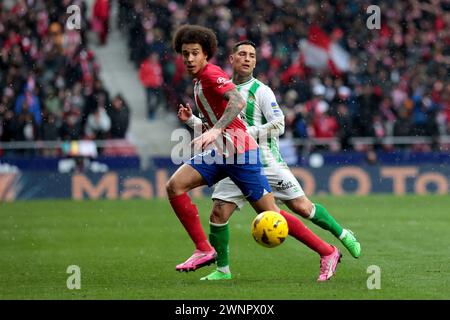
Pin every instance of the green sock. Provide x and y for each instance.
(323, 219)
(220, 237)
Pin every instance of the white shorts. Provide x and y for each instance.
(284, 184)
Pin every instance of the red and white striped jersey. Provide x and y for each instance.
(210, 86)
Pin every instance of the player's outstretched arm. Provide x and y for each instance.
(273, 128)
(185, 115)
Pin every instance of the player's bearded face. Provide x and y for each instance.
(244, 60)
(194, 58)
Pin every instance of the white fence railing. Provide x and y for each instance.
(84, 148)
(372, 141)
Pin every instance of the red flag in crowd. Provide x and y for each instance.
(320, 52)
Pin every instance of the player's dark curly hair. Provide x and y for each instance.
(196, 34)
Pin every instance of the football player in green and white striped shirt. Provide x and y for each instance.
(265, 122)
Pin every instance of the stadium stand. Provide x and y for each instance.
(49, 84)
(365, 89)
(335, 77)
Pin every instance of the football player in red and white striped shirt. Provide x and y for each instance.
(220, 104)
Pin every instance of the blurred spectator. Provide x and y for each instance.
(403, 125)
(71, 128)
(324, 125)
(119, 113)
(151, 76)
(124, 14)
(49, 128)
(367, 107)
(50, 132)
(100, 20)
(345, 125)
(98, 124)
(52, 102)
(31, 102)
(26, 128)
(300, 123)
(93, 97)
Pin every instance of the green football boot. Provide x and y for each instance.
(217, 275)
(353, 246)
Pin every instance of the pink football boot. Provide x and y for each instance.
(328, 265)
(197, 260)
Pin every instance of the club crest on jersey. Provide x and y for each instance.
(222, 81)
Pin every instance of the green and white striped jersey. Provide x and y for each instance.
(264, 119)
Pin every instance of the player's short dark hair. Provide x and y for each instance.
(205, 37)
(243, 42)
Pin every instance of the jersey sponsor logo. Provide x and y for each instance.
(281, 185)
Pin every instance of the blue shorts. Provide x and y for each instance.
(245, 170)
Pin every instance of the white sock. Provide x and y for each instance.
(344, 232)
(225, 269)
(218, 224)
(313, 212)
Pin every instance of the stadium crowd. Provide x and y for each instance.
(49, 84)
(396, 82)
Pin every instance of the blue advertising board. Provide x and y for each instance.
(148, 184)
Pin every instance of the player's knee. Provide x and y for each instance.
(303, 207)
(220, 213)
(172, 188)
(218, 218)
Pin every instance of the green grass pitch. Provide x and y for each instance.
(129, 249)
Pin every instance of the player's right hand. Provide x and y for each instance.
(184, 112)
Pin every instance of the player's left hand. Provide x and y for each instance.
(184, 112)
(206, 139)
